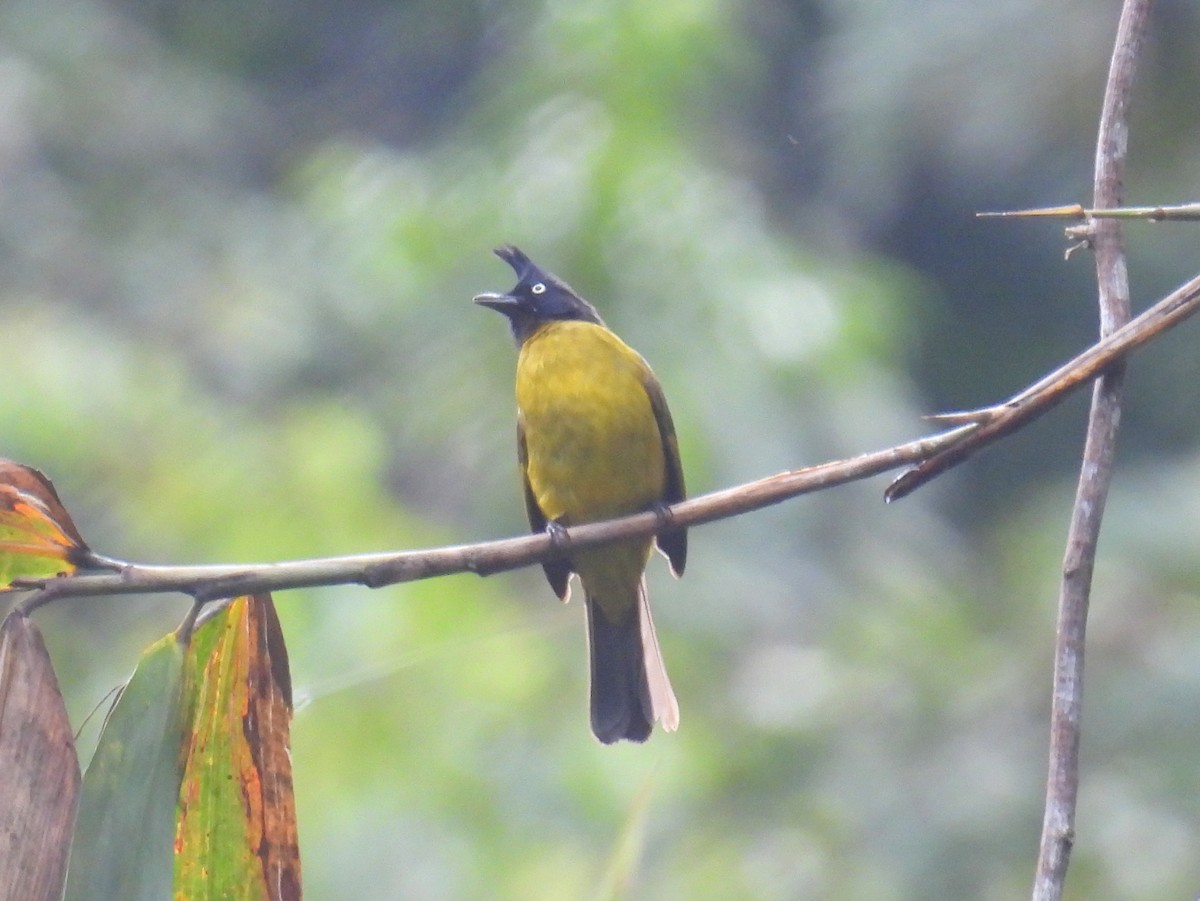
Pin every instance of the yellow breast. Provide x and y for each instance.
(592, 441)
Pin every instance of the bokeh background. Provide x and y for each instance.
(238, 243)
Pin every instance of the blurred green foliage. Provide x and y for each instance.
(239, 243)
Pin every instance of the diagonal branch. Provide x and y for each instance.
(931, 455)
(376, 570)
(997, 421)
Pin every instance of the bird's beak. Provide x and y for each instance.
(501, 303)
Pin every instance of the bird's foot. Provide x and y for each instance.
(559, 539)
(662, 512)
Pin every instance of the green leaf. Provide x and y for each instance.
(237, 822)
(123, 848)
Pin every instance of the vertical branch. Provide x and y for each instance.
(1062, 782)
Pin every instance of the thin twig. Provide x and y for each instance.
(1062, 781)
(1177, 212)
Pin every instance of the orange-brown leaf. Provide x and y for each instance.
(37, 537)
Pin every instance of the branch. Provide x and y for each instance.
(997, 421)
(208, 583)
(932, 455)
(1062, 781)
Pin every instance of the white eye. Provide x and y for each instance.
(539, 288)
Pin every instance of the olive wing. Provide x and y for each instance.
(672, 542)
(558, 572)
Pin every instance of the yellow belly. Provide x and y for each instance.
(592, 441)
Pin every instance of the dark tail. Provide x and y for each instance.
(630, 688)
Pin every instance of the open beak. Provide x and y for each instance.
(501, 303)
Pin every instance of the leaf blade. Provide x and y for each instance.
(37, 536)
(124, 835)
(236, 835)
(39, 769)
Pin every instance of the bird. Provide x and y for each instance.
(595, 441)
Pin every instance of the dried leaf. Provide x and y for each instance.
(39, 772)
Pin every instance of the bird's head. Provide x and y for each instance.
(538, 297)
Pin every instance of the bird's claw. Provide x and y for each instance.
(559, 538)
